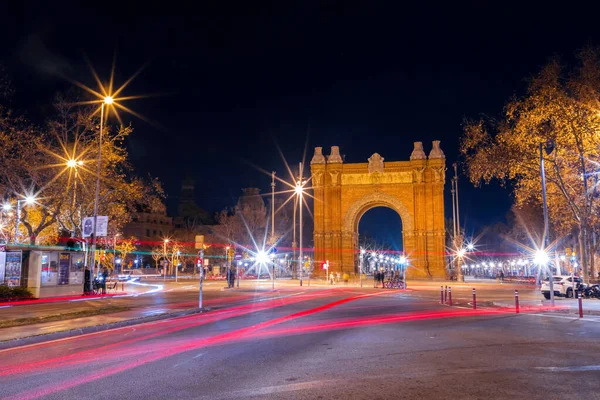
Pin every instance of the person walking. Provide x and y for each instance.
(87, 279)
(104, 278)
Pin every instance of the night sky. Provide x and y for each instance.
(234, 83)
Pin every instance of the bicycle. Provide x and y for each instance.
(394, 283)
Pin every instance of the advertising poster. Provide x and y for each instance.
(88, 226)
(12, 270)
(64, 262)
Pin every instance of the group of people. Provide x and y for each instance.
(335, 277)
(379, 276)
(101, 281)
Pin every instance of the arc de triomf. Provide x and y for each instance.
(414, 189)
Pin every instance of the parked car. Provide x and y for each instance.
(563, 286)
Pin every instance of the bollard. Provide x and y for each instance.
(446, 295)
(474, 300)
(449, 296)
(517, 301)
(580, 306)
(441, 295)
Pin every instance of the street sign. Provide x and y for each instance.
(238, 256)
(88, 226)
(273, 250)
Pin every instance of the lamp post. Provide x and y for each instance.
(273, 208)
(299, 190)
(165, 259)
(177, 265)
(360, 265)
(549, 147)
(227, 263)
(108, 100)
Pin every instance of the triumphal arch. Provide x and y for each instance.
(414, 189)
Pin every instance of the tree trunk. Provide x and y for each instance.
(592, 255)
(583, 253)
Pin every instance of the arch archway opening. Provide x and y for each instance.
(380, 244)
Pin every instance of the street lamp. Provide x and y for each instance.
(299, 189)
(165, 259)
(107, 101)
(549, 147)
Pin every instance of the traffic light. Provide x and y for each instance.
(199, 242)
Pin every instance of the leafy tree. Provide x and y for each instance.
(157, 254)
(57, 163)
(561, 105)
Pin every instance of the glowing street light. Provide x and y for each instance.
(461, 253)
(541, 258)
(470, 247)
(7, 207)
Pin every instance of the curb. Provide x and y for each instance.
(12, 343)
(557, 311)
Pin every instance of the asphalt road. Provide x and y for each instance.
(343, 343)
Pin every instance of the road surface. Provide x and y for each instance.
(342, 343)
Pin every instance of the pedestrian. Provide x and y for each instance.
(375, 278)
(382, 277)
(501, 276)
(104, 278)
(338, 277)
(87, 279)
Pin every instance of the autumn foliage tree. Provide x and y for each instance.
(562, 105)
(57, 164)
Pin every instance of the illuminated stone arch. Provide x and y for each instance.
(414, 189)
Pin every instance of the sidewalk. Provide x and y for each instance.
(5, 304)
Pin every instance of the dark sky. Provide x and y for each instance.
(235, 81)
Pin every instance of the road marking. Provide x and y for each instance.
(52, 326)
(571, 369)
(563, 317)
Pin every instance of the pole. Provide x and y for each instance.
(294, 261)
(441, 295)
(580, 306)
(404, 275)
(546, 227)
(201, 278)
(273, 208)
(97, 196)
(459, 274)
(449, 296)
(300, 228)
(238, 275)
(164, 261)
(517, 301)
(445, 294)
(474, 299)
(360, 265)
